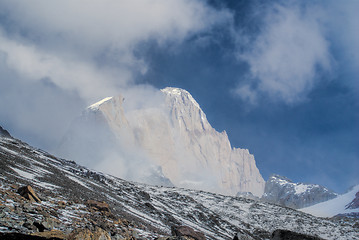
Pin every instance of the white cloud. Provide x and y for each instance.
(112, 23)
(67, 40)
(57, 56)
(343, 20)
(247, 94)
(285, 56)
(34, 64)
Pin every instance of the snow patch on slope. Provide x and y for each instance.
(334, 206)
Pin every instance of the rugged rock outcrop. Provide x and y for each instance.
(185, 231)
(98, 206)
(4, 133)
(355, 203)
(283, 191)
(28, 193)
(172, 139)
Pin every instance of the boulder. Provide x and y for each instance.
(280, 234)
(242, 236)
(185, 231)
(100, 234)
(98, 206)
(86, 234)
(53, 234)
(28, 193)
(22, 236)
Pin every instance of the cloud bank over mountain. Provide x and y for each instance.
(279, 76)
(88, 52)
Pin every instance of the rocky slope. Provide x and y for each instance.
(281, 190)
(76, 201)
(172, 139)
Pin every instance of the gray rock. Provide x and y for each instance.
(4, 133)
(280, 234)
(185, 231)
(242, 236)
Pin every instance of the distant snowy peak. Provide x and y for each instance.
(283, 191)
(344, 205)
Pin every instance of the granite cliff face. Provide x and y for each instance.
(281, 190)
(174, 138)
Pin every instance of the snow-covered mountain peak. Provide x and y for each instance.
(180, 94)
(280, 179)
(96, 105)
(185, 111)
(281, 190)
(173, 134)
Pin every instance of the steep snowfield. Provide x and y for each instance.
(334, 206)
(173, 137)
(155, 209)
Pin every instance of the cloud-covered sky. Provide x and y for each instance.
(279, 76)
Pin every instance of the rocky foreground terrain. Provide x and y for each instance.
(68, 201)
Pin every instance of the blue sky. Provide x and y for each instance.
(281, 77)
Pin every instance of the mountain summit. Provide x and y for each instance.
(283, 191)
(172, 138)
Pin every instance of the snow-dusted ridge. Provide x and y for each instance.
(155, 209)
(283, 191)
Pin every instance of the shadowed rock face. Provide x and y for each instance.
(21, 236)
(185, 231)
(283, 191)
(4, 133)
(28, 193)
(355, 203)
(289, 235)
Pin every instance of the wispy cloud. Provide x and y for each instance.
(82, 51)
(69, 41)
(286, 55)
